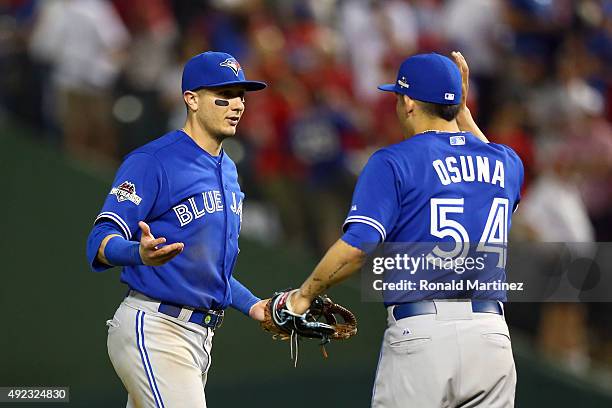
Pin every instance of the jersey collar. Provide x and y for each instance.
(216, 159)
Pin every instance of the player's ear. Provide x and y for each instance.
(405, 106)
(191, 100)
(409, 103)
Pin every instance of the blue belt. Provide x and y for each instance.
(404, 310)
(206, 318)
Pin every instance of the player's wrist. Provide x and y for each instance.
(304, 295)
(256, 311)
(298, 303)
(121, 252)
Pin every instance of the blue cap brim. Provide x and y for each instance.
(387, 87)
(247, 85)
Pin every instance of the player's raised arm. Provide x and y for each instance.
(465, 121)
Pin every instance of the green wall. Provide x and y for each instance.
(54, 309)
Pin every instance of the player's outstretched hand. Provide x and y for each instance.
(152, 250)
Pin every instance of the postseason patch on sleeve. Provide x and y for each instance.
(126, 191)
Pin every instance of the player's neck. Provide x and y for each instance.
(208, 143)
(438, 124)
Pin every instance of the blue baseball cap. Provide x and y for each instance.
(429, 78)
(213, 69)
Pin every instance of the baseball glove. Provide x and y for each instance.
(319, 322)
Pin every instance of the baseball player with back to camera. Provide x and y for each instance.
(445, 184)
(172, 220)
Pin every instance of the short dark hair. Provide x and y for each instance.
(446, 112)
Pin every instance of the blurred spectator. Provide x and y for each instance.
(538, 24)
(554, 212)
(391, 31)
(83, 42)
(276, 171)
(150, 55)
(430, 22)
(320, 138)
(589, 137)
(480, 36)
(553, 208)
(507, 127)
(153, 36)
(18, 76)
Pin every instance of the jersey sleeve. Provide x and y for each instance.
(376, 199)
(242, 298)
(359, 235)
(100, 231)
(134, 193)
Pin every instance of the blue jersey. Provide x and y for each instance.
(447, 188)
(185, 195)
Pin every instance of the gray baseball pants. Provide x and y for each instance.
(161, 360)
(455, 358)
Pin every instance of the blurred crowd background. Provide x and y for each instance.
(98, 78)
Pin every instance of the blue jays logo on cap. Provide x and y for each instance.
(215, 69)
(232, 64)
(429, 78)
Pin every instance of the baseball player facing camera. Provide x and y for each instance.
(445, 183)
(172, 220)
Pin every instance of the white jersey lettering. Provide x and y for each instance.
(450, 170)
